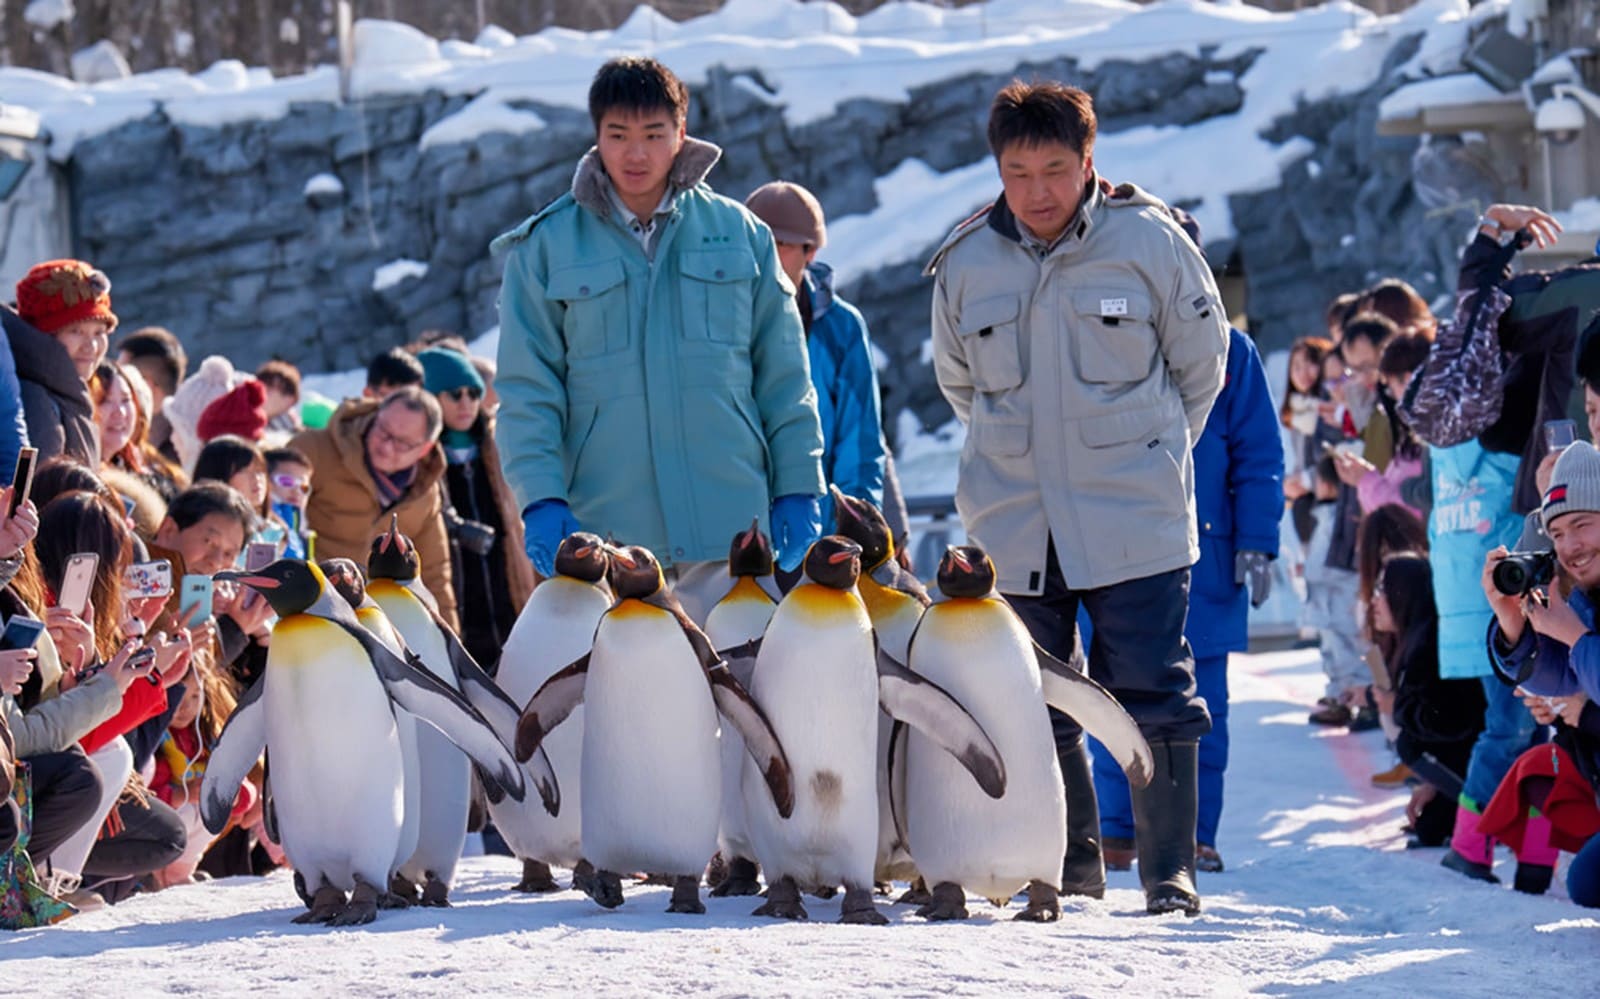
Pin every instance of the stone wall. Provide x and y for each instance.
(214, 232)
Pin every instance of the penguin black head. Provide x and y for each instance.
(751, 552)
(834, 561)
(635, 573)
(966, 571)
(863, 523)
(583, 556)
(346, 578)
(290, 585)
(393, 556)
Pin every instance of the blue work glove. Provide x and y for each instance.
(545, 525)
(796, 523)
(1254, 569)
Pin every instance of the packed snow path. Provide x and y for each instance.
(1320, 898)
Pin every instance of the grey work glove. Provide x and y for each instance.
(1255, 569)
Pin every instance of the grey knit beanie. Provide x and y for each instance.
(1574, 483)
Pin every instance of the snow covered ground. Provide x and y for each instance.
(1320, 899)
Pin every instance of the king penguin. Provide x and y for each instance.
(895, 601)
(394, 584)
(555, 627)
(324, 710)
(739, 617)
(651, 770)
(973, 645)
(819, 676)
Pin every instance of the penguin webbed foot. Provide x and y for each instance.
(859, 909)
(362, 908)
(917, 894)
(536, 878)
(783, 901)
(435, 894)
(403, 887)
(605, 887)
(740, 880)
(1044, 904)
(948, 901)
(686, 896)
(326, 903)
(389, 900)
(659, 880)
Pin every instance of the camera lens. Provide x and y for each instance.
(1510, 578)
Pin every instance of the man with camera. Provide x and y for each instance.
(1546, 640)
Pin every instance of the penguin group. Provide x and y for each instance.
(847, 732)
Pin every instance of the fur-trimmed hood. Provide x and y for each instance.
(591, 186)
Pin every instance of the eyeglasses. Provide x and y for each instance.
(291, 482)
(463, 393)
(381, 434)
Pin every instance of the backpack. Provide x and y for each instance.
(1459, 391)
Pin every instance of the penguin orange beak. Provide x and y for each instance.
(583, 552)
(624, 559)
(960, 560)
(254, 582)
(843, 556)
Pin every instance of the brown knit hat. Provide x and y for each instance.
(792, 213)
(58, 293)
(242, 412)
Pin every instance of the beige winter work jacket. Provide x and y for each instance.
(1084, 373)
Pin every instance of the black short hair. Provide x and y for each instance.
(639, 85)
(1373, 327)
(203, 499)
(1327, 471)
(1405, 354)
(393, 368)
(1034, 113)
(224, 457)
(284, 456)
(161, 345)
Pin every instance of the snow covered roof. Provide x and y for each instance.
(1453, 103)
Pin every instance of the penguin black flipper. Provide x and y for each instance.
(760, 741)
(919, 702)
(269, 808)
(550, 705)
(499, 710)
(420, 692)
(667, 601)
(1072, 693)
(897, 780)
(241, 744)
(891, 575)
(741, 660)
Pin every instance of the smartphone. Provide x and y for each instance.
(194, 591)
(21, 633)
(142, 659)
(77, 582)
(22, 478)
(259, 554)
(1559, 433)
(148, 579)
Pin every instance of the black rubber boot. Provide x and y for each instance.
(1083, 870)
(1533, 879)
(1163, 819)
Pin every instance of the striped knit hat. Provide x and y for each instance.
(1574, 483)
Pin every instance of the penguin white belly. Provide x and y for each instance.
(817, 680)
(337, 773)
(982, 656)
(444, 772)
(405, 723)
(555, 628)
(651, 772)
(894, 617)
(738, 618)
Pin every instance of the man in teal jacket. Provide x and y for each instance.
(653, 376)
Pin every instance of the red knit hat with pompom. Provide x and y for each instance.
(242, 412)
(58, 293)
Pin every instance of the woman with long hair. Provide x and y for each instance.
(122, 404)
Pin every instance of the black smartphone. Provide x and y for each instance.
(22, 478)
(21, 633)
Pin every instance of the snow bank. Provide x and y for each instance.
(396, 271)
(323, 183)
(1320, 899)
(47, 15)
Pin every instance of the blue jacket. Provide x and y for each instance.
(847, 393)
(666, 397)
(1238, 492)
(13, 428)
(1472, 490)
(1554, 668)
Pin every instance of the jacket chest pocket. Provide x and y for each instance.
(991, 340)
(1114, 336)
(718, 294)
(596, 299)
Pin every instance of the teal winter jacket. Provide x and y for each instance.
(665, 396)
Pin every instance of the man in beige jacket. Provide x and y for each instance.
(1080, 337)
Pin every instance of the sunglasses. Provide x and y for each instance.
(463, 393)
(291, 482)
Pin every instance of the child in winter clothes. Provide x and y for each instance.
(1438, 720)
(180, 764)
(1331, 598)
(289, 481)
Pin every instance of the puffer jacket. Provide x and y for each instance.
(1084, 376)
(345, 511)
(55, 401)
(847, 393)
(667, 397)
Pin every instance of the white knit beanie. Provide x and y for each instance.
(215, 379)
(1574, 483)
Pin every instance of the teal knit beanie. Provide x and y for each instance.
(445, 370)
